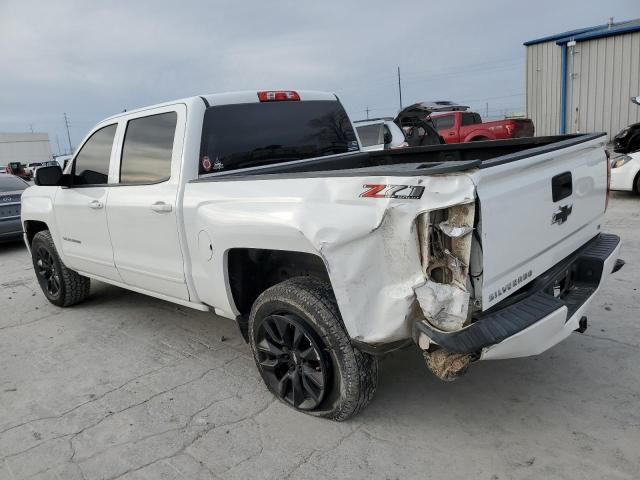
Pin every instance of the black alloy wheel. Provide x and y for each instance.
(47, 272)
(293, 360)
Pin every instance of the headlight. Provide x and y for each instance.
(620, 161)
(623, 133)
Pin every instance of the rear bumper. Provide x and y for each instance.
(533, 320)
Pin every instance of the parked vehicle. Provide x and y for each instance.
(461, 127)
(628, 140)
(418, 128)
(261, 206)
(379, 134)
(17, 169)
(31, 168)
(625, 172)
(11, 188)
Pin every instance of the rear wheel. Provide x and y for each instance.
(303, 353)
(62, 287)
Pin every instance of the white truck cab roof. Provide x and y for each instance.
(229, 98)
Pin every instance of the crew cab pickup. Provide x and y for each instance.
(460, 127)
(261, 207)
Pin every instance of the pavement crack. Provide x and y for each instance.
(95, 399)
(619, 342)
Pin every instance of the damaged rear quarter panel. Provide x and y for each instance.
(369, 245)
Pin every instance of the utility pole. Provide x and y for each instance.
(400, 88)
(486, 110)
(66, 123)
(31, 127)
(367, 113)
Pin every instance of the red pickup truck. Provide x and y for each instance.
(459, 127)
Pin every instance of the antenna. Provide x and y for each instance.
(400, 88)
(66, 123)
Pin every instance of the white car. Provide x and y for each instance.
(625, 172)
(261, 207)
(379, 134)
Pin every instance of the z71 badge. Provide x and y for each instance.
(410, 192)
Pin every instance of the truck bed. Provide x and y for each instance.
(427, 160)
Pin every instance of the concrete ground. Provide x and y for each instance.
(126, 386)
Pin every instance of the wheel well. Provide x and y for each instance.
(252, 270)
(479, 139)
(636, 183)
(31, 227)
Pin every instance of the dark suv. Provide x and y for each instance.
(628, 140)
(11, 188)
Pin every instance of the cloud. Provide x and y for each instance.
(92, 59)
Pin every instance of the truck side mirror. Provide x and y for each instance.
(49, 176)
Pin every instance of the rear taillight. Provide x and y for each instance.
(511, 127)
(278, 96)
(606, 202)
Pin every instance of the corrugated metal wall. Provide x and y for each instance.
(543, 87)
(602, 75)
(24, 147)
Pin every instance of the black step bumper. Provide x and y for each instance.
(557, 298)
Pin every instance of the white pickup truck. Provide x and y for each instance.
(261, 207)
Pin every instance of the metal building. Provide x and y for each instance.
(582, 80)
(24, 148)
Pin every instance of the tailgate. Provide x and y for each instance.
(537, 208)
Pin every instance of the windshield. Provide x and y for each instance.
(9, 183)
(252, 134)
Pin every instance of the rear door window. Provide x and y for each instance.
(470, 119)
(147, 149)
(443, 122)
(91, 166)
(253, 134)
(371, 134)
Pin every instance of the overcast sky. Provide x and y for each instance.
(93, 61)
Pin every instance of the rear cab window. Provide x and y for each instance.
(470, 119)
(443, 122)
(371, 134)
(254, 134)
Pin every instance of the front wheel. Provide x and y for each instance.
(62, 287)
(303, 353)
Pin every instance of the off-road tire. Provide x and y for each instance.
(73, 287)
(354, 374)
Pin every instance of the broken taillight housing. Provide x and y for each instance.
(445, 238)
(445, 243)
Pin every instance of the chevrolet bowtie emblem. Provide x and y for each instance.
(562, 214)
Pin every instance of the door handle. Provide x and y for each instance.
(96, 204)
(161, 207)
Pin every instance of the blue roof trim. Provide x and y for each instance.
(598, 31)
(601, 34)
(561, 35)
